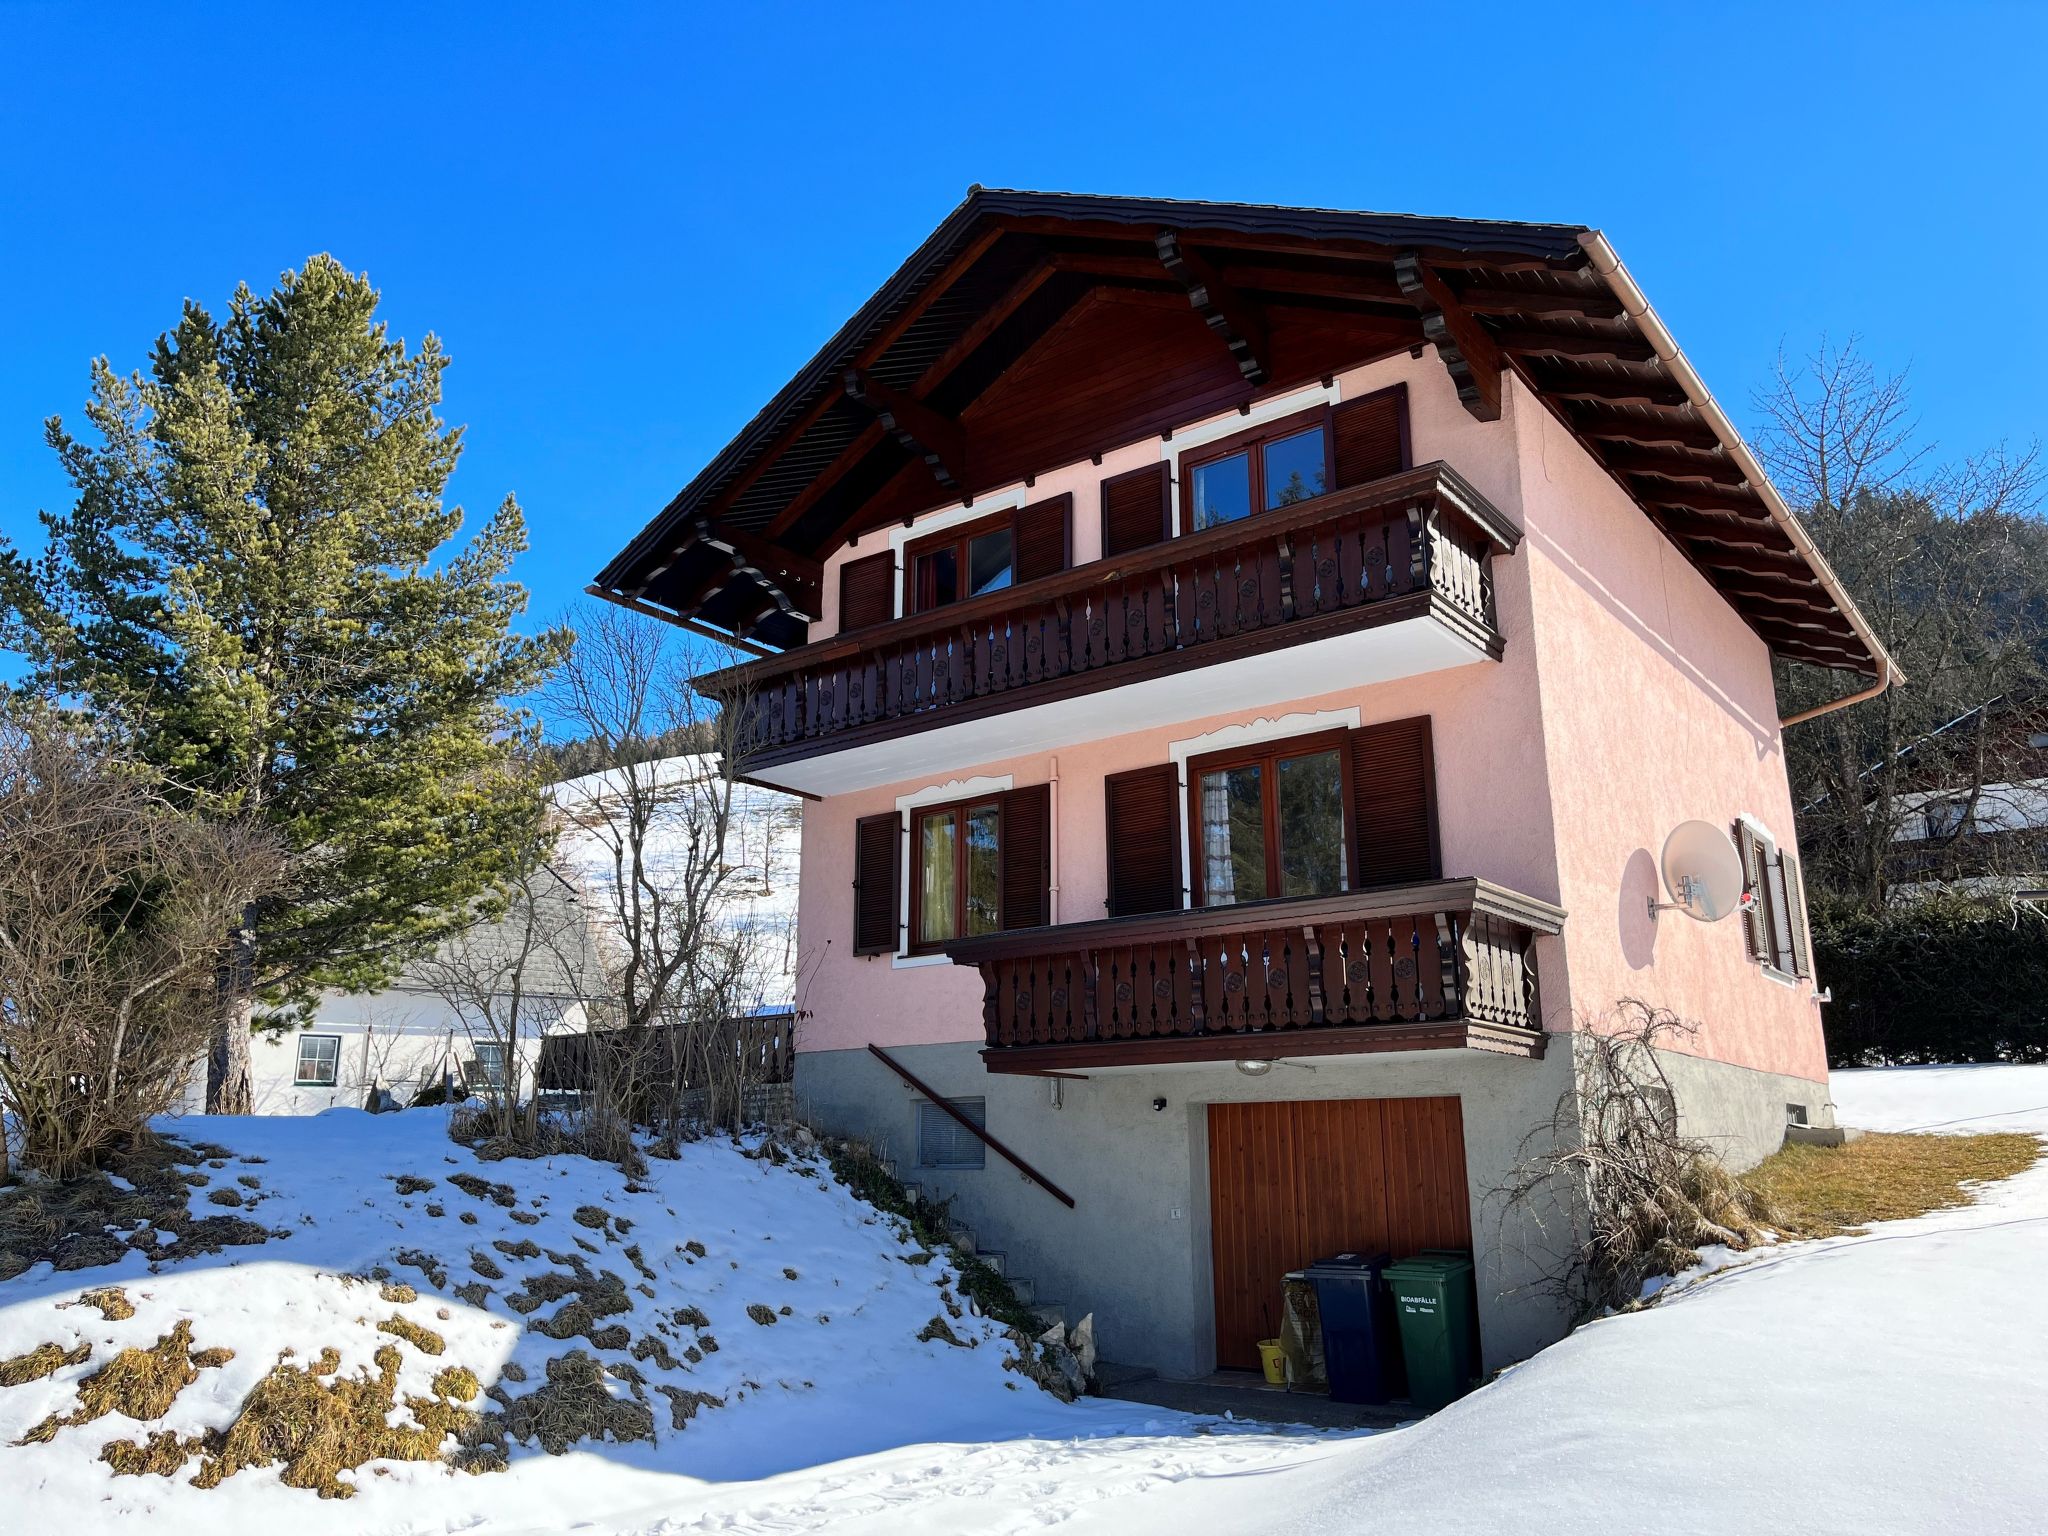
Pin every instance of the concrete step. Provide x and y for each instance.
(1050, 1312)
(1110, 1375)
(1023, 1287)
(994, 1258)
(963, 1239)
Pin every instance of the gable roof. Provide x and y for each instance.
(1058, 286)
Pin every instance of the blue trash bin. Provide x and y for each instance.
(1361, 1350)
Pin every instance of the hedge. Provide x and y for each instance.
(1944, 979)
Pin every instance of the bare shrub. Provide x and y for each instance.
(112, 904)
(1616, 1193)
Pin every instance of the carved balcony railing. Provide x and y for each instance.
(1410, 545)
(1442, 964)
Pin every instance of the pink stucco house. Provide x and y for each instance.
(1242, 664)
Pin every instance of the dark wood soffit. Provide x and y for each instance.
(1269, 1044)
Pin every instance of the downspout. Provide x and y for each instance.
(1637, 308)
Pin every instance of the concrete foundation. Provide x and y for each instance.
(1131, 1146)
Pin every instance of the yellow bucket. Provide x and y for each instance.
(1274, 1360)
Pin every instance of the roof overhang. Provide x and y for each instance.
(914, 401)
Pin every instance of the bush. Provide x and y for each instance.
(1948, 978)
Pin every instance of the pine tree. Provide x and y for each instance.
(257, 579)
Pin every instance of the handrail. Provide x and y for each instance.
(981, 1135)
(1463, 894)
(1436, 479)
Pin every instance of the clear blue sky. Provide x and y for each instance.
(630, 224)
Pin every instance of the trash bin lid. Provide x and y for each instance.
(1346, 1266)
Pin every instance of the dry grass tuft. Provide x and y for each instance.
(136, 1383)
(112, 1302)
(425, 1340)
(595, 1217)
(410, 1183)
(226, 1196)
(43, 1360)
(320, 1429)
(683, 1404)
(574, 1405)
(648, 1347)
(160, 1456)
(938, 1330)
(474, 1293)
(485, 1265)
(525, 1248)
(763, 1315)
(1825, 1191)
(483, 1189)
(416, 1258)
(397, 1292)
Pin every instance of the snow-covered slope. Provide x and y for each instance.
(772, 1321)
(1887, 1383)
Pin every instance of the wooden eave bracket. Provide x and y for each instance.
(1472, 356)
(937, 440)
(1222, 308)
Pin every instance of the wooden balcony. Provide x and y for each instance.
(1440, 965)
(1409, 553)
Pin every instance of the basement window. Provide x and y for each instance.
(319, 1061)
(943, 1142)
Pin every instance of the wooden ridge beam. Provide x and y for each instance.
(1223, 309)
(936, 439)
(1467, 351)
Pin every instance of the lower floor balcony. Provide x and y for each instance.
(1443, 964)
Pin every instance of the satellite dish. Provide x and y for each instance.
(1702, 871)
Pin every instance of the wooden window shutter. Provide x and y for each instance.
(1027, 857)
(1142, 837)
(1393, 804)
(1370, 436)
(1795, 916)
(1134, 510)
(877, 869)
(867, 591)
(1041, 537)
(1756, 932)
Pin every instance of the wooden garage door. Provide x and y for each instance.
(1293, 1183)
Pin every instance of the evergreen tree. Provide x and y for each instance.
(256, 578)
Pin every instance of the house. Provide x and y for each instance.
(1241, 664)
(1969, 804)
(449, 1021)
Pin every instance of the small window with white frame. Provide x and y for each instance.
(1774, 908)
(319, 1064)
(943, 1142)
(487, 1070)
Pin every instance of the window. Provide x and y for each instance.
(1774, 923)
(1274, 466)
(488, 1069)
(1269, 821)
(1946, 818)
(319, 1061)
(943, 1142)
(960, 563)
(956, 887)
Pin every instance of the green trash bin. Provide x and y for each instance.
(1434, 1307)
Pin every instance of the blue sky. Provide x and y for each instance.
(630, 224)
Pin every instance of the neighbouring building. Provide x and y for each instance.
(429, 1029)
(1241, 664)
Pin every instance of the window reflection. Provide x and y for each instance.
(1222, 491)
(1311, 796)
(1233, 836)
(1294, 468)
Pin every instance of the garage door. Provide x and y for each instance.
(1293, 1183)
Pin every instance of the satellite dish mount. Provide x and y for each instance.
(1703, 872)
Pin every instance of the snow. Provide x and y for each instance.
(1886, 1383)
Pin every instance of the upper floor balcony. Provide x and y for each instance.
(1387, 579)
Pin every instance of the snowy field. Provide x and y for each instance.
(1896, 1382)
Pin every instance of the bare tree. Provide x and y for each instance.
(1949, 564)
(112, 903)
(657, 832)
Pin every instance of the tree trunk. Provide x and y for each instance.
(230, 1087)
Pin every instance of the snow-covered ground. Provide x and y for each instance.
(1895, 1382)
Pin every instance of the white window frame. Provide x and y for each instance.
(333, 1078)
(501, 1082)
